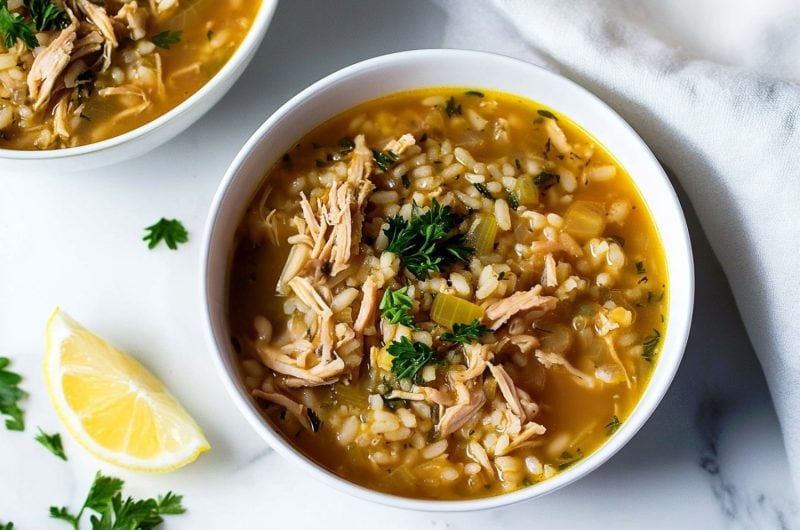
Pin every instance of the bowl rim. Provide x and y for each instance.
(249, 45)
(679, 322)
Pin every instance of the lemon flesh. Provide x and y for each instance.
(112, 405)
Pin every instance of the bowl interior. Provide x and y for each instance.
(432, 68)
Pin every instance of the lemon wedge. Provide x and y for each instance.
(112, 405)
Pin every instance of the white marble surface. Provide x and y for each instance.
(710, 457)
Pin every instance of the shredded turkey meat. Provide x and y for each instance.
(501, 311)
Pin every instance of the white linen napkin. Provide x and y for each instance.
(709, 88)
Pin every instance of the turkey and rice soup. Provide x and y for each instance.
(447, 294)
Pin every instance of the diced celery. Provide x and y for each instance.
(482, 233)
(527, 192)
(351, 395)
(448, 310)
(585, 220)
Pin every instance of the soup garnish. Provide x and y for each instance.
(74, 72)
(447, 294)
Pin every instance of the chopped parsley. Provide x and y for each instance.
(567, 458)
(46, 15)
(640, 267)
(384, 159)
(650, 344)
(51, 442)
(10, 396)
(395, 306)
(546, 114)
(408, 357)
(465, 333)
(406, 182)
(170, 231)
(474, 93)
(347, 144)
(483, 190)
(451, 109)
(167, 39)
(546, 180)
(115, 513)
(613, 425)
(513, 201)
(13, 27)
(423, 244)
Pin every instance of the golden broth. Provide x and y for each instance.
(154, 79)
(517, 136)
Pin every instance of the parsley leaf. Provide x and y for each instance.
(395, 306)
(10, 395)
(171, 231)
(613, 425)
(115, 513)
(13, 27)
(409, 357)
(640, 267)
(46, 15)
(475, 93)
(422, 244)
(384, 159)
(650, 344)
(451, 109)
(51, 442)
(546, 114)
(483, 190)
(513, 200)
(7, 526)
(465, 333)
(546, 180)
(166, 39)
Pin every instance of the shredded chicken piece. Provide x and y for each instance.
(135, 19)
(469, 400)
(614, 355)
(550, 359)
(400, 145)
(499, 312)
(528, 431)
(49, 63)
(87, 44)
(508, 389)
(477, 356)
(98, 16)
(299, 256)
(369, 303)
(162, 6)
(61, 116)
(549, 277)
(298, 410)
(321, 374)
(525, 343)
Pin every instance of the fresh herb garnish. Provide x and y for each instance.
(546, 180)
(393, 403)
(640, 267)
(483, 190)
(409, 357)
(406, 182)
(7, 526)
(473, 93)
(513, 201)
(501, 276)
(347, 144)
(422, 244)
(546, 114)
(384, 159)
(10, 396)
(13, 27)
(613, 425)
(650, 344)
(167, 38)
(171, 231)
(46, 15)
(209, 35)
(395, 307)
(451, 109)
(313, 420)
(567, 458)
(51, 442)
(465, 333)
(114, 513)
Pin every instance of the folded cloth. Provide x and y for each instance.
(731, 135)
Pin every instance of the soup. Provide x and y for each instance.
(447, 294)
(74, 72)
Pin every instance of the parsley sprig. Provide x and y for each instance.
(171, 231)
(423, 244)
(465, 333)
(113, 513)
(46, 15)
(13, 27)
(10, 396)
(51, 442)
(409, 357)
(613, 425)
(395, 306)
(650, 345)
(166, 39)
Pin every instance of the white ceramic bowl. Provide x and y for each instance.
(431, 68)
(154, 133)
